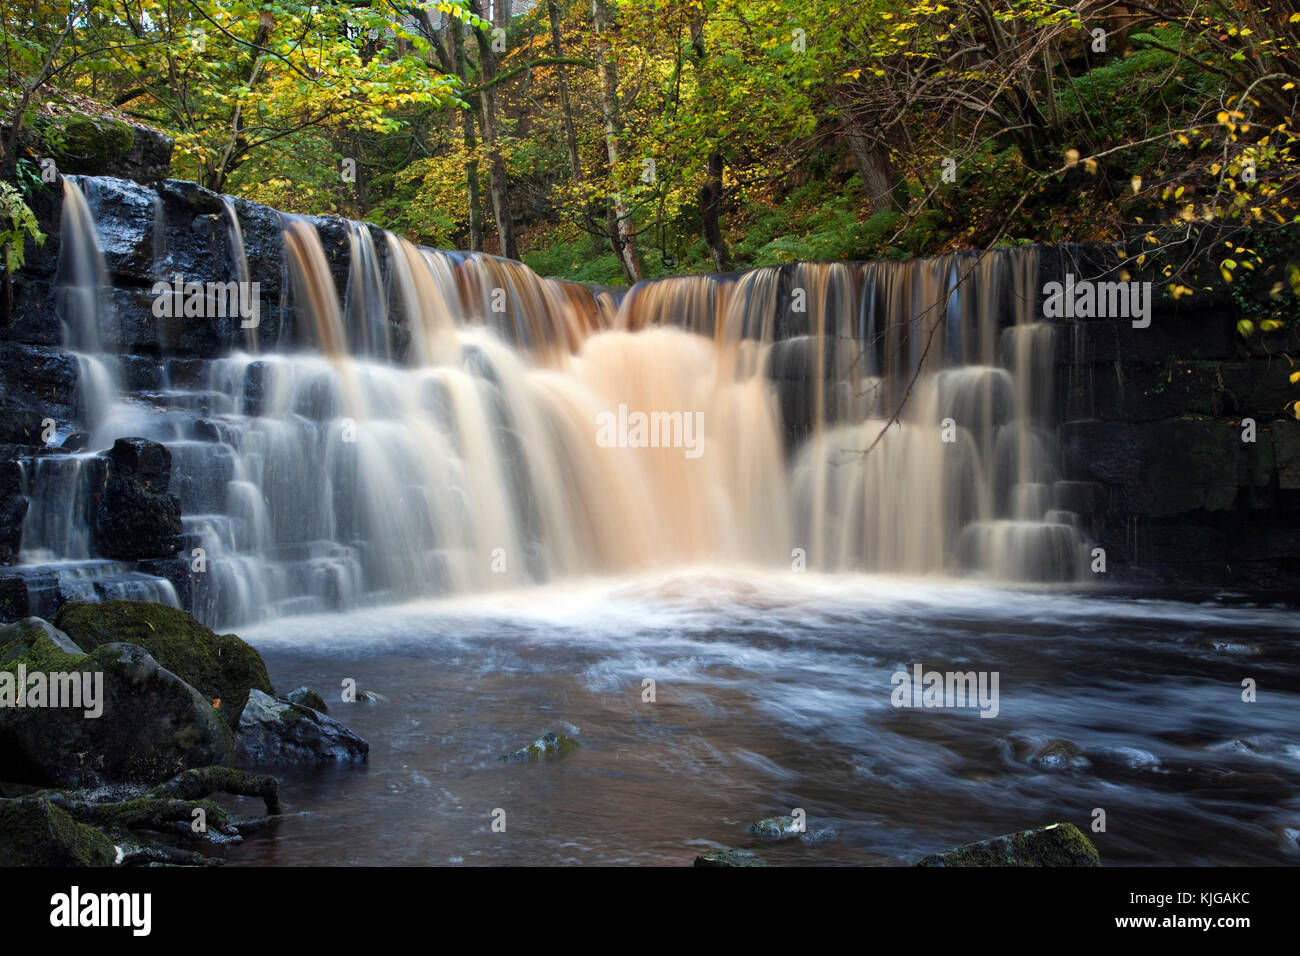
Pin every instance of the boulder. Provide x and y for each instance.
(100, 146)
(1057, 844)
(35, 833)
(136, 517)
(279, 731)
(547, 745)
(151, 725)
(220, 666)
(34, 639)
(783, 827)
(307, 698)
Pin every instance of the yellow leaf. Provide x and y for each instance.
(1245, 327)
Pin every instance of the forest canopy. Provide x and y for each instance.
(611, 140)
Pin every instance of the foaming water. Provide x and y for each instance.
(773, 691)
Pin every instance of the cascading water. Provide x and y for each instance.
(452, 422)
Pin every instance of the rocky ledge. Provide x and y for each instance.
(120, 721)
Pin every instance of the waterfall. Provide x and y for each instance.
(85, 308)
(450, 422)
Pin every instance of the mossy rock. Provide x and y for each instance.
(150, 724)
(220, 666)
(1057, 844)
(88, 138)
(729, 858)
(35, 833)
(548, 745)
(1060, 755)
(38, 643)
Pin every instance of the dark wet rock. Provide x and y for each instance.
(136, 516)
(21, 418)
(39, 380)
(25, 592)
(13, 510)
(278, 731)
(152, 726)
(547, 745)
(1057, 844)
(195, 233)
(220, 666)
(33, 832)
(729, 858)
(307, 698)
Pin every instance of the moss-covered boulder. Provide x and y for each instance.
(35, 833)
(220, 666)
(307, 698)
(36, 640)
(122, 718)
(80, 137)
(103, 146)
(1057, 844)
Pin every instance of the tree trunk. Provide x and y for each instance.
(711, 213)
(881, 180)
(488, 121)
(622, 235)
(473, 202)
(710, 197)
(570, 134)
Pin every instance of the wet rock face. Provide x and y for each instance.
(152, 724)
(1058, 844)
(281, 732)
(136, 518)
(13, 509)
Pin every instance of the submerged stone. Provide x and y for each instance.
(279, 731)
(547, 745)
(729, 858)
(1057, 844)
(781, 827)
(1059, 755)
(307, 698)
